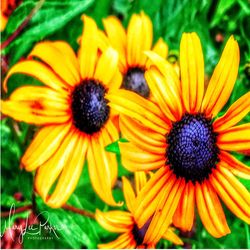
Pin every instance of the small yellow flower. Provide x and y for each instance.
(74, 114)
(181, 136)
(124, 222)
(131, 45)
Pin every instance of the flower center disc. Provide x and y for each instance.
(192, 150)
(89, 107)
(134, 80)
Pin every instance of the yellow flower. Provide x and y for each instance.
(181, 136)
(74, 114)
(124, 222)
(130, 45)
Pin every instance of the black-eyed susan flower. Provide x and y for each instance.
(124, 222)
(182, 136)
(74, 114)
(131, 44)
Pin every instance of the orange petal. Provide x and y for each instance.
(144, 141)
(150, 195)
(167, 96)
(223, 79)
(128, 193)
(214, 209)
(50, 170)
(192, 72)
(232, 192)
(184, 214)
(236, 167)
(40, 72)
(131, 155)
(44, 145)
(58, 60)
(124, 241)
(204, 212)
(234, 114)
(235, 139)
(100, 170)
(165, 209)
(115, 221)
(140, 180)
(135, 106)
(87, 54)
(171, 236)
(140, 135)
(70, 174)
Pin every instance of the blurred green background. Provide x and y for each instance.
(214, 21)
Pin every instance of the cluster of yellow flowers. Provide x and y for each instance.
(120, 85)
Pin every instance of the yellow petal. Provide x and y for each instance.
(204, 212)
(140, 180)
(234, 114)
(115, 221)
(223, 79)
(88, 48)
(236, 167)
(40, 72)
(128, 193)
(148, 199)
(50, 170)
(33, 112)
(192, 72)
(184, 214)
(235, 196)
(124, 241)
(117, 37)
(99, 170)
(70, 174)
(58, 60)
(44, 145)
(107, 66)
(235, 139)
(165, 210)
(161, 48)
(129, 103)
(165, 93)
(171, 236)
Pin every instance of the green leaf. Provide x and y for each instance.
(78, 231)
(221, 9)
(53, 15)
(114, 147)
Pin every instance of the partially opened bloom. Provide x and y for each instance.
(182, 137)
(73, 112)
(131, 44)
(124, 222)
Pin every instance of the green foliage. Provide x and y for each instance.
(61, 20)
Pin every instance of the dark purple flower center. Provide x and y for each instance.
(89, 107)
(134, 80)
(192, 150)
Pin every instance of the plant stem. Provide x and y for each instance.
(79, 211)
(17, 210)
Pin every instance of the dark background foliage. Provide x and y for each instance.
(214, 21)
